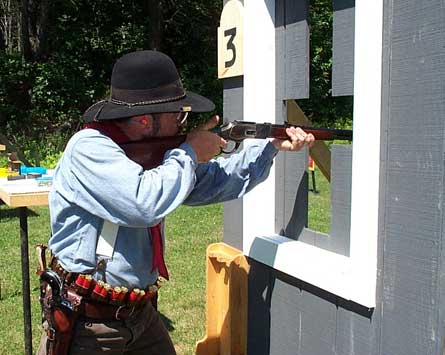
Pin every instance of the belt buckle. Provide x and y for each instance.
(122, 308)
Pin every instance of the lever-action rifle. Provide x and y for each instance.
(150, 152)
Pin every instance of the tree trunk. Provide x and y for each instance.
(9, 22)
(2, 41)
(24, 31)
(155, 18)
(39, 25)
(44, 26)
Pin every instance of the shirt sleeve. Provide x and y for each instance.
(108, 184)
(225, 179)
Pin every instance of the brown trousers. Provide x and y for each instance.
(142, 333)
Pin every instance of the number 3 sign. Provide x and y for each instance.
(230, 40)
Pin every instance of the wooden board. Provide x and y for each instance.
(412, 231)
(297, 49)
(295, 204)
(320, 151)
(233, 210)
(23, 193)
(343, 47)
(226, 302)
(338, 240)
(230, 40)
(2, 147)
(24, 200)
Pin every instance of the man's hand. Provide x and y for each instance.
(297, 139)
(206, 144)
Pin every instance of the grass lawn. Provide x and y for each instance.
(182, 300)
(319, 214)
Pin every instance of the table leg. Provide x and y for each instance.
(25, 279)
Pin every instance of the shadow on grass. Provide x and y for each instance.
(167, 322)
(10, 213)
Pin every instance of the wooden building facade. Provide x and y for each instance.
(376, 283)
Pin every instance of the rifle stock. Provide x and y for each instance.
(149, 153)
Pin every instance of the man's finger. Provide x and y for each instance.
(309, 140)
(224, 143)
(211, 123)
(296, 135)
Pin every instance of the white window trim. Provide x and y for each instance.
(354, 277)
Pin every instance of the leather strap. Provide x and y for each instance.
(108, 312)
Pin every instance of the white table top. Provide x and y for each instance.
(23, 193)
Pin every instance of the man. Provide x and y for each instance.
(107, 212)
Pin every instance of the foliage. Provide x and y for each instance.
(75, 43)
(322, 108)
(15, 76)
(196, 52)
(3, 160)
(42, 98)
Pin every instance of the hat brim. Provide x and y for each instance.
(106, 110)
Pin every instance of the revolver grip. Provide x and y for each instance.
(53, 280)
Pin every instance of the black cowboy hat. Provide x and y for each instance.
(146, 82)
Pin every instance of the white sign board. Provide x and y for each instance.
(230, 40)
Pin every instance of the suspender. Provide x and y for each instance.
(107, 239)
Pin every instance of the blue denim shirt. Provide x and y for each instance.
(95, 181)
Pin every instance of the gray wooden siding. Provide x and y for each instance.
(292, 42)
(288, 316)
(412, 233)
(292, 78)
(280, 111)
(343, 48)
(295, 188)
(338, 240)
(310, 326)
(260, 289)
(294, 213)
(233, 210)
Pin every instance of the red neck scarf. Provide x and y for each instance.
(109, 129)
(112, 130)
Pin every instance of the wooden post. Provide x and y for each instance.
(23, 212)
(226, 308)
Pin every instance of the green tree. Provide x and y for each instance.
(56, 59)
(47, 82)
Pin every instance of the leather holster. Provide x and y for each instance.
(61, 317)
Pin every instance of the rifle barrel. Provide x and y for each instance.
(323, 134)
(329, 133)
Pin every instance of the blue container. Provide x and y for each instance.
(33, 169)
(45, 181)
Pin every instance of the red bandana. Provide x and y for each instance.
(112, 130)
(109, 129)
